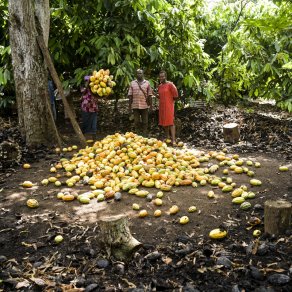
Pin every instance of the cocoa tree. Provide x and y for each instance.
(28, 19)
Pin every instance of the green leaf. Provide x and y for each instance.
(267, 67)
(287, 66)
(139, 14)
(111, 59)
(277, 47)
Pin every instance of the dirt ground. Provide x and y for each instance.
(173, 257)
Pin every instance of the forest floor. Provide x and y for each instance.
(173, 257)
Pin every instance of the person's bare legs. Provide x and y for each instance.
(167, 132)
(137, 122)
(172, 134)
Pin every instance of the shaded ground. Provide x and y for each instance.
(173, 257)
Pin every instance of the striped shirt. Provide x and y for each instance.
(139, 99)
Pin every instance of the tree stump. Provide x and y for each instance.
(231, 133)
(277, 216)
(10, 154)
(117, 238)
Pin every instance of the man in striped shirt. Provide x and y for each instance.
(140, 100)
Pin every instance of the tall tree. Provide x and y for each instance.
(28, 19)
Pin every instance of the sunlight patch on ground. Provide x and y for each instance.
(17, 196)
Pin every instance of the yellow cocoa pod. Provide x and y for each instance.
(211, 195)
(238, 170)
(135, 207)
(58, 239)
(184, 220)
(158, 202)
(60, 195)
(143, 213)
(217, 233)
(142, 193)
(32, 203)
(257, 164)
(84, 199)
(283, 168)
(237, 193)
(165, 187)
(52, 179)
(157, 213)
(27, 184)
(185, 182)
(256, 233)
(149, 184)
(45, 182)
(192, 209)
(255, 182)
(102, 84)
(68, 197)
(173, 210)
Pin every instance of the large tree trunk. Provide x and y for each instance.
(30, 74)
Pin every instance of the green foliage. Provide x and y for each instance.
(256, 50)
(126, 35)
(7, 97)
(238, 49)
(5, 61)
(272, 34)
(6, 101)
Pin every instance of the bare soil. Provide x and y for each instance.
(173, 257)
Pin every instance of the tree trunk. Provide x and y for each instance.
(30, 74)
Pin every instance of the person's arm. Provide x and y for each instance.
(149, 96)
(130, 101)
(174, 91)
(130, 96)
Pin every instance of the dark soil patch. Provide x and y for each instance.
(173, 257)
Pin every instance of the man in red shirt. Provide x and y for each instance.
(140, 94)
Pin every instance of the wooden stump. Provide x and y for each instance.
(10, 154)
(117, 238)
(231, 133)
(277, 216)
